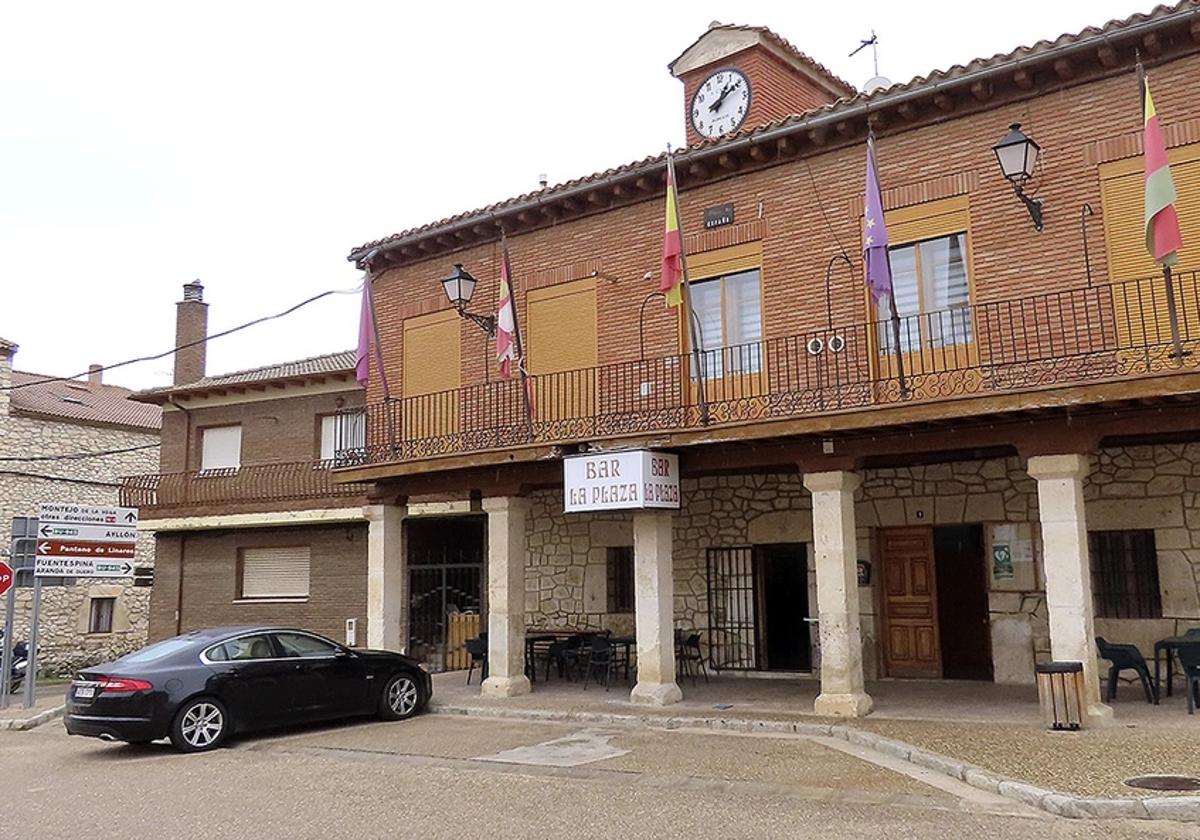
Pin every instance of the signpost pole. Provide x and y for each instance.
(31, 667)
(6, 660)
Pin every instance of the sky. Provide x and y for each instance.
(251, 145)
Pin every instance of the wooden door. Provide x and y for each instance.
(910, 620)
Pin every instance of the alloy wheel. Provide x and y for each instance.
(402, 696)
(202, 725)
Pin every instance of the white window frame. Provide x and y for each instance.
(279, 573)
(221, 448)
(353, 432)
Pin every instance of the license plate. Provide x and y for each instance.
(85, 692)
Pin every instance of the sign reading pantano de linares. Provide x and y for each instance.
(633, 480)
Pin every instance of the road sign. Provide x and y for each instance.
(7, 576)
(85, 541)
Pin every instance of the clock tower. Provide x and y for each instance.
(740, 77)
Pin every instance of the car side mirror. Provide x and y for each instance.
(342, 653)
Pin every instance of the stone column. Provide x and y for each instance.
(654, 609)
(836, 548)
(506, 596)
(1068, 573)
(387, 577)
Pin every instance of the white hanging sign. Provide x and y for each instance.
(636, 479)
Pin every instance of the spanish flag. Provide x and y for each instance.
(672, 258)
(1163, 238)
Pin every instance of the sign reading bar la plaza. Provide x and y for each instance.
(635, 479)
(85, 541)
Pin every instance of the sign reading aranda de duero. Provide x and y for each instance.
(636, 479)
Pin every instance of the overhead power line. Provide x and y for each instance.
(174, 350)
(77, 456)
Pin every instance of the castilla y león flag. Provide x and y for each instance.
(506, 324)
(1163, 238)
(672, 258)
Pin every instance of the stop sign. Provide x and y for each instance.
(6, 577)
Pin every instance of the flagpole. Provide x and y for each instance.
(512, 301)
(368, 277)
(693, 333)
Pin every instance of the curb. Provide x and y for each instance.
(24, 724)
(1179, 808)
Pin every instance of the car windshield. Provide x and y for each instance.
(158, 650)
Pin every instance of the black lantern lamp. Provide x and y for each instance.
(459, 286)
(1017, 154)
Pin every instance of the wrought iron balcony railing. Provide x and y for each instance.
(1075, 336)
(253, 483)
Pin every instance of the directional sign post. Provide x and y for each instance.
(78, 541)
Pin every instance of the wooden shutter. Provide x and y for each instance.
(432, 370)
(562, 350)
(928, 220)
(1140, 307)
(275, 572)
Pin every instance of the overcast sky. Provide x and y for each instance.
(253, 144)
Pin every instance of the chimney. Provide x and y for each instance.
(95, 374)
(191, 326)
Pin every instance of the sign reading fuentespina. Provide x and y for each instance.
(635, 479)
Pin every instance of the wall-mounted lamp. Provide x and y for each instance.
(459, 286)
(1017, 154)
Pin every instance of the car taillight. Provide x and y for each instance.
(113, 684)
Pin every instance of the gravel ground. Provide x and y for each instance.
(1092, 762)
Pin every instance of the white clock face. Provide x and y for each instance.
(721, 103)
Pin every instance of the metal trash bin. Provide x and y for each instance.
(1060, 694)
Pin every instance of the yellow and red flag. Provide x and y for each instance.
(672, 258)
(1163, 237)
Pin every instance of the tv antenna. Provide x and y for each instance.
(873, 43)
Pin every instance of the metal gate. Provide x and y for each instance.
(732, 609)
(445, 561)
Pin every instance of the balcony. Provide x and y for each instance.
(1079, 336)
(256, 487)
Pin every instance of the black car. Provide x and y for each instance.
(203, 686)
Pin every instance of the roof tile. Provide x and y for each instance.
(70, 400)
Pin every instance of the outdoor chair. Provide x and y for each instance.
(1125, 658)
(600, 659)
(478, 650)
(564, 655)
(1189, 657)
(689, 656)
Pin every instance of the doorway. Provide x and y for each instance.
(783, 572)
(934, 603)
(445, 586)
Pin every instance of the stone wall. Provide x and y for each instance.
(1154, 487)
(65, 644)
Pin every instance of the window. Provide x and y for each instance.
(304, 645)
(1124, 574)
(929, 280)
(100, 615)
(341, 433)
(274, 572)
(729, 317)
(257, 646)
(620, 579)
(221, 448)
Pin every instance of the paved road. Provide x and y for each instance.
(443, 776)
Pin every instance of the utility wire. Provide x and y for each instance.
(75, 456)
(67, 479)
(174, 350)
(821, 206)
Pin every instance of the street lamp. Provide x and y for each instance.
(1017, 154)
(459, 286)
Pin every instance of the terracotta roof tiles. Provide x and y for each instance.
(329, 363)
(82, 402)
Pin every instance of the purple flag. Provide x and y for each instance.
(875, 238)
(362, 359)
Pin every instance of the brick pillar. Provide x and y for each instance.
(836, 548)
(507, 516)
(387, 578)
(654, 606)
(1068, 572)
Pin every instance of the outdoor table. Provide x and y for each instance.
(532, 640)
(1168, 646)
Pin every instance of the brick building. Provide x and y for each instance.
(247, 523)
(71, 441)
(1009, 469)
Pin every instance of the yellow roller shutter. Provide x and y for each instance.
(1140, 308)
(432, 361)
(928, 220)
(562, 350)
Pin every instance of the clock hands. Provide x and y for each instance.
(729, 88)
